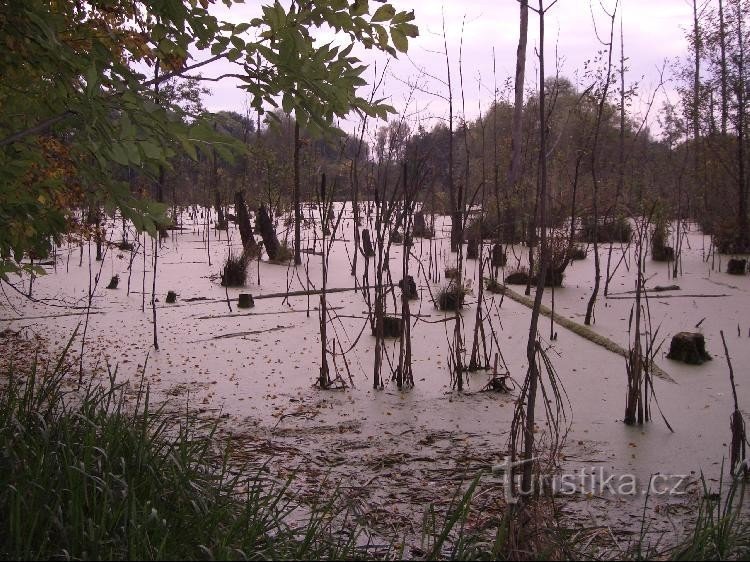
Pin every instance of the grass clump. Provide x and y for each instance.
(493, 285)
(451, 296)
(234, 273)
(85, 475)
(284, 254)
(451, 273)
(616, 229)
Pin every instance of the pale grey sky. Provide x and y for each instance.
(654, 32)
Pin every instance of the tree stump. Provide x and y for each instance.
(737, 266)
(472, 249)
(245, 300)
(499, 258)
(662, 253)
(367, 250)
(420, 225)
(171, 297)
(264, 225)
(393, 327)
(688, 347)
(114, 282)
(396, 237)
(409, 286)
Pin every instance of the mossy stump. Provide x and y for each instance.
(245, 300)
(688, 347)
(171, 297)
(737, 266)
(409, 287)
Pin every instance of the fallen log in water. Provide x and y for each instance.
(274, 312)
(660, 297)
(50, 316)
(581, 330)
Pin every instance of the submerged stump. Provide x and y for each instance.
(688, 347)
(245, 300)
(662, 253)
(393, 327)
(737, 266)
(472, 249)
(367, 249)
(420, 228)
(409, 287)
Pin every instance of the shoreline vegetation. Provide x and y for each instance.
(99, 472)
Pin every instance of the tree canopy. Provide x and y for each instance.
(76, 102)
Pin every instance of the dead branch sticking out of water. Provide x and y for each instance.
(737, 451)
(242, 334)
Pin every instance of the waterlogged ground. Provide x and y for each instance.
(394, 453)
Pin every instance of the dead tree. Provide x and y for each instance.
(264, 224)
(594, 162)
(243, 222)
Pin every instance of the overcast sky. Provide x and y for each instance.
(654, 32)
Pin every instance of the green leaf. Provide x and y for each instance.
(399, 40)
(384, 13)
(119, 155)
(359, 8)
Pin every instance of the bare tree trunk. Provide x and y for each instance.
(723, 46)
(743, 234)
(594, 175)
(696, 107)
(531, 344)
(455, 198)
(514, 173)
(296, 203)
(621, 155)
